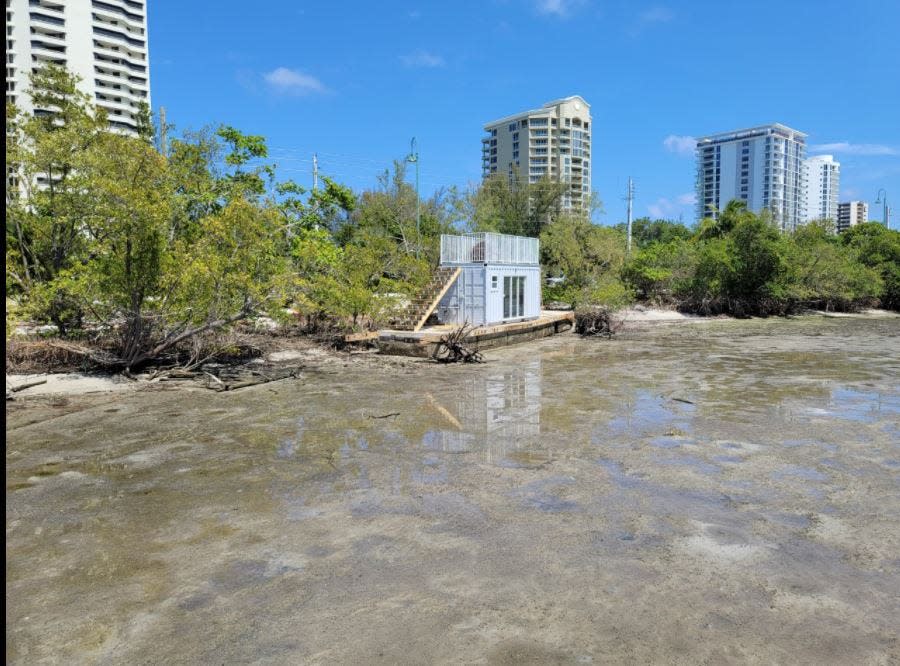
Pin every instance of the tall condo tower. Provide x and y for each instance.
(762, 166)
(851, 213)
(102, 41)
(554, 140)
(822, 176)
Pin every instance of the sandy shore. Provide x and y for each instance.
(304, 352)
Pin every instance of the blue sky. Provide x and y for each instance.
(354, 81)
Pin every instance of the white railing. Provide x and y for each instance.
(489, 248)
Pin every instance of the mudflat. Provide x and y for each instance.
(725, 492)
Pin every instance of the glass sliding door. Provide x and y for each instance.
(513, 296)
(507, 293)
(521, 296)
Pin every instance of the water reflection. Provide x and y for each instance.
(496, 413)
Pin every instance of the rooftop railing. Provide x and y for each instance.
(489, 248)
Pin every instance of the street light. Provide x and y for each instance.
(882, 198)
(414, 157)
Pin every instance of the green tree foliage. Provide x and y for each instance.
(106, 234)
(826, 273)
(645, 231)
(661, 272)
(741, 264)
(587, 258)
(734, 213)
(49, 200)
(878, 247)
(512, 205)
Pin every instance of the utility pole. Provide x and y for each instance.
(163, 143)
(414, 157)
(630, 198)
(315, 171)
(315, 202)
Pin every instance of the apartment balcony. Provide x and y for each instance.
(47, 19)
(118, 18)
(107, 82)
(46, 46)
(114, 49)
(126, 106)
(121, 76)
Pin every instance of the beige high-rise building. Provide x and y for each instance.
(851, 213)
(554, 140)
(102, 41)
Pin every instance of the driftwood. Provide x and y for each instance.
(21, 387)
(384, 416)
(257, 379)
(597, 320)
(450, 348)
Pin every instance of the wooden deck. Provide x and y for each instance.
(423, 342)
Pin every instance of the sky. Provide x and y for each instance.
(353, 82)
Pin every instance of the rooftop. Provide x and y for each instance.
(489, 248)
(760, 130)
(545, 109)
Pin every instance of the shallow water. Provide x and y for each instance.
(724, 491)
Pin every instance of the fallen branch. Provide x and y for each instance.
(597, 320)
(384, 416)
(450, 348)
(22, 387)
(260, 379)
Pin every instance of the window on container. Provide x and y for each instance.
(495, 282)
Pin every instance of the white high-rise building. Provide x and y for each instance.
(851, 213)
(822, 180)
(762, 166)
(554, 140)
(102, 41)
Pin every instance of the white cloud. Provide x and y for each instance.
(422, 59)
(560, 8)
(657, 15)
(854, 148)
(292, 82)
(682, 145)
(668, 209)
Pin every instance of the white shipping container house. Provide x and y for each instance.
(499, 280)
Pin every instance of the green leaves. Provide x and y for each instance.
(742, 264)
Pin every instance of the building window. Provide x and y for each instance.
(511, 127)
(495, 282)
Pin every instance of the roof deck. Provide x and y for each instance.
(488, 248)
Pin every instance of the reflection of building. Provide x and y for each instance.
(851, 213)
(104, 43)
(496, 412)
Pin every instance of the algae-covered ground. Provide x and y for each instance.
(725, 492)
